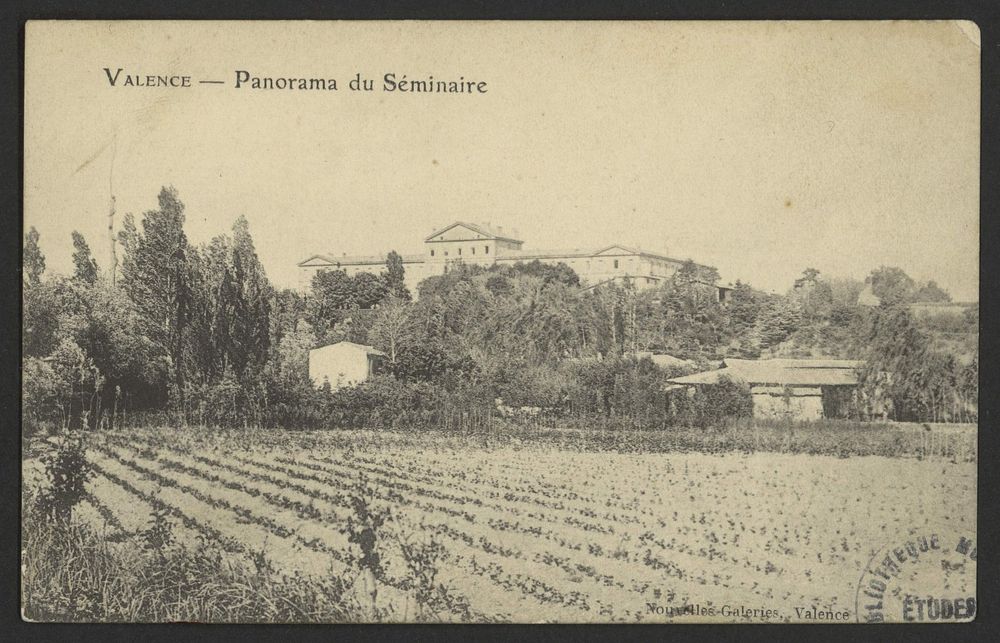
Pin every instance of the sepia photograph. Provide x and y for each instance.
(500, 322)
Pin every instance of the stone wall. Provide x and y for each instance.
(797, 403)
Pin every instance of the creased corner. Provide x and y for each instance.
(971, 31)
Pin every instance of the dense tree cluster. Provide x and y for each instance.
(199, 334)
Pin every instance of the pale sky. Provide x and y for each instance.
(760, 148)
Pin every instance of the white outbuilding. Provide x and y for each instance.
(344, 364)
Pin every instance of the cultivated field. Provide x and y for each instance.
(532, 534)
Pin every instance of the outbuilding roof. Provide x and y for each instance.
(779, 372)
(371, 350)
(663, 360)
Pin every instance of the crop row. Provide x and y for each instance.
(555, 526)
(620, 557)
(189, 488)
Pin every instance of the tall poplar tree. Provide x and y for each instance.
(210, 325)
(84, 265)
(33, 259)
(156, 276)
(249, 295)
(395, 284)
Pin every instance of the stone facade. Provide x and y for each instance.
(472, 243)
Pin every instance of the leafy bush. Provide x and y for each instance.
(620, 387)
(537, 386)
(66, 475)
(42, 395)
(226, 402)
(77, 574)
(719, 404)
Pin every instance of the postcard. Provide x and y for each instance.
(572, 322)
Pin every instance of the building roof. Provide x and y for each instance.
(547, 253)
(662, 359)
(648, 277)
(371, 350)
(944, 304)
(618, 278)
(632, 250)
(669, 361)
(779, 372)
(574, 253)
(481, 228)
(935, 307)
(355, 260)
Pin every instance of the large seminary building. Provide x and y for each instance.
(476, 243)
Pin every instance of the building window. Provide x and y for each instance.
(473, 249)
(446, 253)
(432, 253)
(616, 263)
(487, 250)
(459, 252)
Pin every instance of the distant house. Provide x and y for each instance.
(344, 364)
(802, 389)
(867, 297)
(934, 308)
